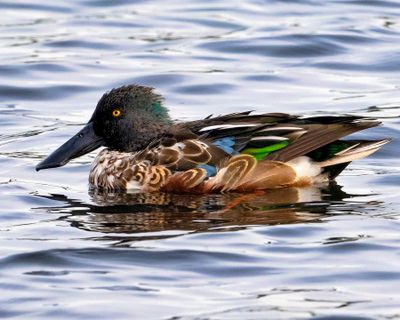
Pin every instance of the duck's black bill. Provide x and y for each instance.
(83, 142)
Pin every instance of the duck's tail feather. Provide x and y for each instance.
(360, 149)
(333, 171)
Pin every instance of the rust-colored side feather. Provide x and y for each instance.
(185, 181)
(156, 177)
(269, 175)
(243, 173)
(230, 176)
(196, 151)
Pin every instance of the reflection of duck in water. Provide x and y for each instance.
(152, 212)
(236, 152)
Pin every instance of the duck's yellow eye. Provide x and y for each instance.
(116, 113)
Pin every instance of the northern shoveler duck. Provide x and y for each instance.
(147, 151)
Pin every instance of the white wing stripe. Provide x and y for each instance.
(271, 138)
(281, 129)
(228, 126)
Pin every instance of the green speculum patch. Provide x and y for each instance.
(261, 153)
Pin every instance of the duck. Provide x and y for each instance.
(145, 150)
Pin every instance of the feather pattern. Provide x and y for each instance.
(236, 152)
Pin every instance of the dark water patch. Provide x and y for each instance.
(81, 44)
(302, 2)
(215, 23)
(353, 246)
(159, 80)
(106, 22)
(40, 93)
(9, 313)
(335, 240)
(9, 138)
(385, 30)
(214, 88)
(124, 288)
(47, 273)
(341, 317)
(213, 58)
(106, 3)
(386, 65)
(45, 67)
(5, 285)
(207, 8)
(62, 311)
(37, 200)
(34, 7)
(266, 47)
(373, 3)
(326, 39)
(102, 259)
(370, 276)
(288, 231)
(266, 78)
(146, 56)
(389, 180)
(54, 258)
(11, 71)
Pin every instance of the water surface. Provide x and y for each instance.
(323, 253)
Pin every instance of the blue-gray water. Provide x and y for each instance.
(66, 253)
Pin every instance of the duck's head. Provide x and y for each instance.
(125, 119)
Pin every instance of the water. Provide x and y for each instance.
(67, 253)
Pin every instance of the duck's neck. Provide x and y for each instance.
(139, 133)
(149, 126)
(144, 135)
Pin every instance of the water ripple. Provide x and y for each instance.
(324, 253)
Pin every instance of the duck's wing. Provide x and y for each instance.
(276, 136)
(209, 142)
(271, 136)
(200, 149)
(237, 130)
